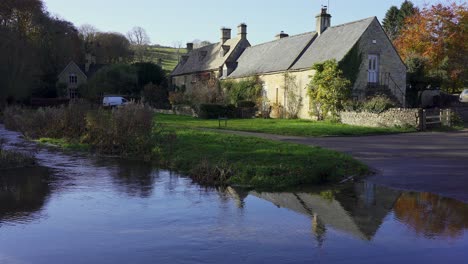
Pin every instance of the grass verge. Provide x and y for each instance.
(211, 157)
(279, 126)
(64, 144)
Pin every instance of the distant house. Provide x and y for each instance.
(362, 48)
(73, 76)
(212, 61)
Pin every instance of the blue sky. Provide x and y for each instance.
(169, 21)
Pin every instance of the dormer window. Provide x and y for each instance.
(224, 50)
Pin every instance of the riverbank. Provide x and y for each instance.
(213, 158)
(209, 157)
(10, 159)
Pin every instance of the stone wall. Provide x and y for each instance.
(390, 118)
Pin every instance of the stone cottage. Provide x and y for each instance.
(209, 62)
(73, 76)
(362, 48)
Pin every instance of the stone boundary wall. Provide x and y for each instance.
(182, 110)
(391, 118)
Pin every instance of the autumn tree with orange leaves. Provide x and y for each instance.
(435, 39)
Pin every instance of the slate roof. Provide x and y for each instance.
(206, 58)
(93, 69)
(300, 51)
(278, 55)
(334, 43)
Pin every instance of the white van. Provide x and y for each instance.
(464, 96)
(113, 101)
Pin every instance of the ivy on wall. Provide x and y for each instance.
(351, 64)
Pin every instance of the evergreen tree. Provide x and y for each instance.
(394, 20)
(390, 22)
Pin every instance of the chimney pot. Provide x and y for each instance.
(189, 47)
(323, 21)
(242, 30)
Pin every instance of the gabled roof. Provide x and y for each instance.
(301, 51)
(274, 56)
(334, 43)
(93, 69)
(206, 58)
(70, 65)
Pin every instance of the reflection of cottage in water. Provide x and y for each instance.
(358, 210)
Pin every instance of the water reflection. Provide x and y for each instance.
(23, 194)
(432, 216)
(136, 179)
(360, 210)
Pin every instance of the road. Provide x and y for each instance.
(435, 162)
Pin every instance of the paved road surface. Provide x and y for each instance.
(433, 162)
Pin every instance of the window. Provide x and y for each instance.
(72, 78)
(72, 93)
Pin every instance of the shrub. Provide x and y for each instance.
(125, 131)
(50, 122)
(245, 90)
(352, 106)
(246, 104)
(378, 104)
(328, 88)
(177, 98)
(212, 111)
(156, 96)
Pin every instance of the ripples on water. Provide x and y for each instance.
(82, 209)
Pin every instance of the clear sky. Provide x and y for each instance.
(168, 21)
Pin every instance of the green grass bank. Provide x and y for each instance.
(285, 127)
(211, 157)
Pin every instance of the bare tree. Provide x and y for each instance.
(177, 45)
(88, 32)
(140, 41)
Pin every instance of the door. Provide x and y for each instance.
(373, 69)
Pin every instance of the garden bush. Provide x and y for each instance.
(378, 104)
(246, 104)
(212, 111)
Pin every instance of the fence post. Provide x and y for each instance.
(422, 119)
(449, 117)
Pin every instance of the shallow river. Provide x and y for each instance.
(83, 209)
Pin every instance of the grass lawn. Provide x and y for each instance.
(262, 164)
(279, 126)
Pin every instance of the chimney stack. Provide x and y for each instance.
(282, 35)
(225, 34)
(242, 31)
(189, 47)
(323, 21)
